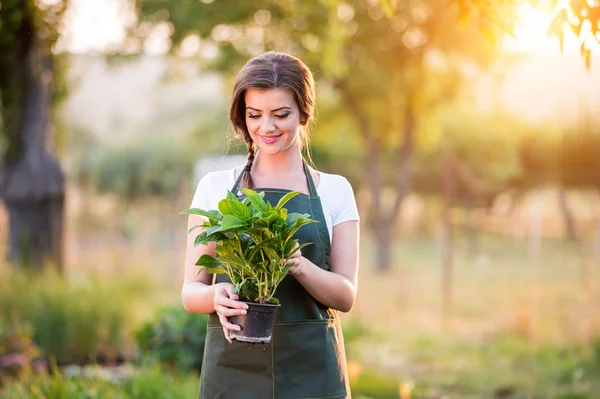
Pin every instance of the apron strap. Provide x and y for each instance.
(309, 179)
(311, 183)
(239, 180)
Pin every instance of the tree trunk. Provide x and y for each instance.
(447, 241)
(567, 214)
(383, 246)
(32, 182)
(597, 241)
(383, 223)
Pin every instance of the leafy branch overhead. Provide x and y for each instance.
(254, 242)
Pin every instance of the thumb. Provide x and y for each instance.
(230, 291)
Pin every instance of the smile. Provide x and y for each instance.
(270, 139)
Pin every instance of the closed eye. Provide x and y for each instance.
(253, 116)
(282, 116)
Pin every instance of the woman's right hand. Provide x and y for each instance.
(226, 304)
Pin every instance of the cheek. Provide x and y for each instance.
(252, 125)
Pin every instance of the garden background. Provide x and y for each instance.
(468, 130)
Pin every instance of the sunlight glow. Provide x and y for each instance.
(531, 35)
(92, 26)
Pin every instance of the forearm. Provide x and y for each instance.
(329, 288)
(198, 297)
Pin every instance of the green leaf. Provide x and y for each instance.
(208, 261)
(194, 228)
(212, 214)
(213, 229)
(255, 199)
(272, 219)
(232, 197)
(292, 218)
(231, 222)
(293, 251)
(202, 238)
(285, 199)
(241, 211)
(226, 207)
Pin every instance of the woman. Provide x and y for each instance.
(272, 104)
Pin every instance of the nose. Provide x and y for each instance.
(268, 125)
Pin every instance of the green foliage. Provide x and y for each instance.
(149, 382)
(71, 322)
(175, 338)
(16, 342)
(254, 242)
(153, 382)
(137, 170)
(371, 384)
(58, 387)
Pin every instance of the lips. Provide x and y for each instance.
(270, 139)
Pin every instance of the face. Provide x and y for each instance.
(273, 120)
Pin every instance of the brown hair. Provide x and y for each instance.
(271, 70)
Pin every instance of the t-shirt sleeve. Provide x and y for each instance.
(346, 209)
(205, 191)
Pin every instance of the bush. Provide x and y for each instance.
(136, 170)
(71, 322)
(175, 338)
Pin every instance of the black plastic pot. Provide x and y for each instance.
(256, 324)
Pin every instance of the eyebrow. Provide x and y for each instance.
(273, 110)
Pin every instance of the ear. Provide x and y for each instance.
(303, 121)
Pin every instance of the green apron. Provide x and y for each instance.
(305, 358)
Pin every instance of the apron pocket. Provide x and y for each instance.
(309, 360)
(235, 371)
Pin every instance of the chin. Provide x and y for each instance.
(270, 150)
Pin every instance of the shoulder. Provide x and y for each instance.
(337, 197)
(213, 187)
(331, 182)
(218, 178)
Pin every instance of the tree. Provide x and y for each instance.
(32, 182)
(382, 68)
(582, 18)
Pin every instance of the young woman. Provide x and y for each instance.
(272, 104)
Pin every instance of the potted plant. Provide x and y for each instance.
(254, 244)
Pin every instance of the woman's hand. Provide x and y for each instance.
(295, 261)
(226, 304)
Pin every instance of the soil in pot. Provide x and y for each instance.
(257, 324)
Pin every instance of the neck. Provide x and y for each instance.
(286, 162)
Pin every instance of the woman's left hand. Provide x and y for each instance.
(295, 261)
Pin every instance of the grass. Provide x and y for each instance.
(496, 289)
(148, 382)
(502, 368)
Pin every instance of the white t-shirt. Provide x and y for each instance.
(337, 197)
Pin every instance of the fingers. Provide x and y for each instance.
(227, 337)
(227, 325)
(230, 293)
(228, 312)
(230, 303)
(294, 262)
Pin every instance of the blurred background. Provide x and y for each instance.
(469, 131)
